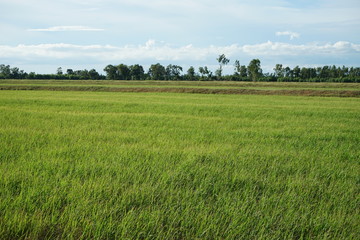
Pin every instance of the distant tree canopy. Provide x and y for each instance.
(136, 72)
(191, 74)
(6, 72)
(173, 72)
(157, 72)
(251, 72)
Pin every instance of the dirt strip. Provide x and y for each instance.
(296, 92)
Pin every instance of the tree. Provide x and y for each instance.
(136, 72)
(202, 71)
(237, 67)
(23, 74)
(296, 71)
(353, 72)
(31, 75)
(334, 73)
(191, 73)
(279, 70)
(157, 72)
(325, 72)
(345, 71)
(205, 71)
(312, 73)
(243, 71)
(222, 60)
(59, 71)
(69, 71)
(83, 74)
(5, 71)
(173, 72)
(111, 72)
(15, 73)
(288, 72)
(254, 69)
(208, 72)
(304, 73)
(93, 74)
(123, 72)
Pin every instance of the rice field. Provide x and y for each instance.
(203, 87)
(142, 165)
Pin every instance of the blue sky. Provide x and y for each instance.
(42, 35)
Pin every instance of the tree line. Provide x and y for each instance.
(7, 72)
(251, 72)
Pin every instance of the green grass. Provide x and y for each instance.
(258, 87)
(102, 165)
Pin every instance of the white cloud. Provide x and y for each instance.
(292, 35)
(159, 51)
(313, 49)
(65, 29)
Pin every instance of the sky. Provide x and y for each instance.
(42, 35)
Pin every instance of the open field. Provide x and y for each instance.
(204, 87)
(126, 165)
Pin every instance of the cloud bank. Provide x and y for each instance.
(65, 29)
(47, 57)
(153, 50)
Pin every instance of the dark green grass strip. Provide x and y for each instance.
(293, 92)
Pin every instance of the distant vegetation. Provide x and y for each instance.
(251, 72)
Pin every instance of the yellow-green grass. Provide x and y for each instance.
(257, 88)
(186, 84)
(102, 165)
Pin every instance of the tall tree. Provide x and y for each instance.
(111, 72)
(243, 71)
(237, 67)
(5, 71)
(304, 73)
(157, 72)
(296, 71)
(191, 73)
(254, 69)
(15, 73)
(344, 71)
(136, 72)
(173, 72)
(204, 71)
(279, 70)
(59, 71)
(222, 60)
(288, 72)
(123, 72)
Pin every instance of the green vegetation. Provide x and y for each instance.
(112, 165)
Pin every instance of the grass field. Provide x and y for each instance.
(195, 84)
(115, 165)
(204, 87)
